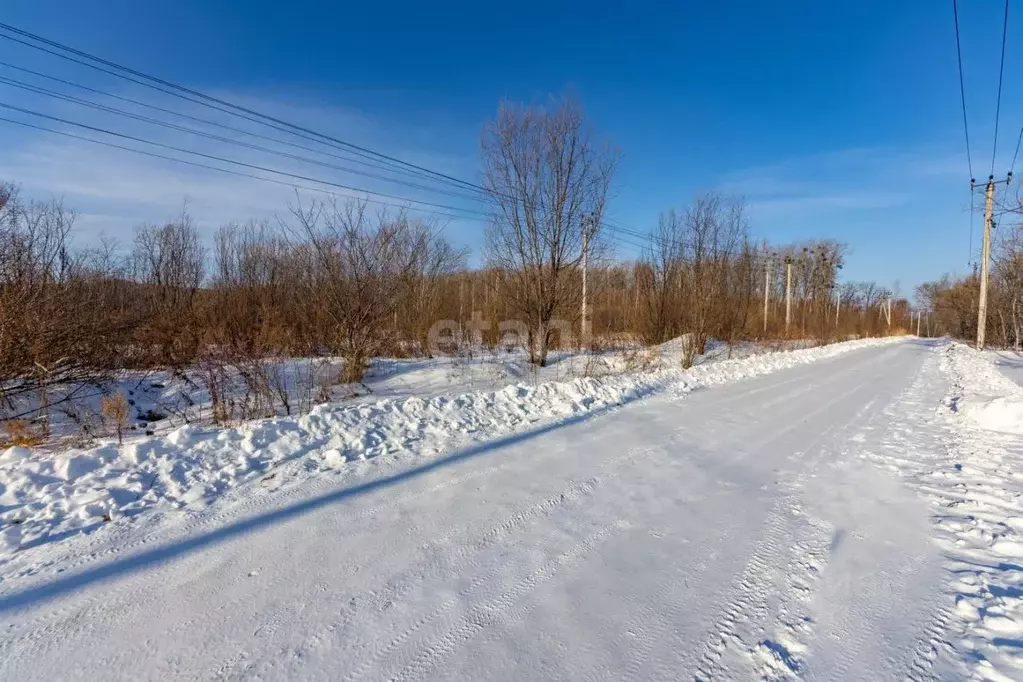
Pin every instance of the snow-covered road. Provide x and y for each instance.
(741, 532)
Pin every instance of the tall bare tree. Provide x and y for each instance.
(548, 181)
(714, 234)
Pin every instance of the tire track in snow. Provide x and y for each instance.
(781, 654)
(748, 605)
(51, 627)
(771, 544)
(43, 628)
(803, 388)
(933, 641)
(415, 575)
(412, 576)
(872, 601)
(488, 613)
(749, 595)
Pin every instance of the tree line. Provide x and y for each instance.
(337, 277)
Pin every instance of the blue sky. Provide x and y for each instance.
(833, 119)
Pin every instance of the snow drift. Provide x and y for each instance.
(993, 402)
(996, 414)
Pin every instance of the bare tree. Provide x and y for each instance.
(358, 267)
(54, 322)
(659, 279)
(1008, 289)
(170, 263)
(548, 181)
(431, 259)
(714, 234)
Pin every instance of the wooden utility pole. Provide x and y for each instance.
(767, 289)
(985, 254)
(788, 293)
(584, 324)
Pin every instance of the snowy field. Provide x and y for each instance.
(846, 512)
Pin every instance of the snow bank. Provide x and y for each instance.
(984, 395)
(996, 414)
(43, 493)
(976, 489)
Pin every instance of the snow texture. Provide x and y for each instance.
(839, 514)
(47, 494)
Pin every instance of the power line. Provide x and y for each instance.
(1018, 140)
(643, 245)
(228, 171)
(200, 133)
(1001, 71)
(962, 89)
(633, 233)
(464, 213)
(198, 97)
(221, 159)
(205, 121)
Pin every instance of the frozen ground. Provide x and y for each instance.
(842, 513)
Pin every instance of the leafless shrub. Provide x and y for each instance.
(20, 432)
(359, 264)
(115, 408)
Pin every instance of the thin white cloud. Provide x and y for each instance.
(845, 181)
(115, 189)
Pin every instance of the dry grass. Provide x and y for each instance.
(19, 432)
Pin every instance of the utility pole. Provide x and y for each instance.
(767, 290)
(985, 253)
(788, 293)
(584, 324)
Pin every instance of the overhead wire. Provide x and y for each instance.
(367, 156)
(92, 61)
(962, 89)
(205, 121)
(1001, 73)
(214, 157)
(228, 171)
(1016, 154)
(200, 133)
